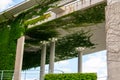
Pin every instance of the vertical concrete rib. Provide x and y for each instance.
(19, 58)
(79, 61)
(79, 50)
(43, 60)
(52, 54)
(52, 57)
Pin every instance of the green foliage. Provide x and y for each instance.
(69, 42)
(44, 34)
(7, 49)
(72, 76)
(65, 47)
(9, 33)
(85, 17)
(31, 60)
(41, 18)
(11, 30)
(76, 19)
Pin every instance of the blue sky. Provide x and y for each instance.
(4, 4)
(95, 62)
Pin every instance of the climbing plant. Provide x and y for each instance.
(11, 30)
(65, 47)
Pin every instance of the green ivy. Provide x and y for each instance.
(70, 42)
(85, 17)
(11, 30)
(9, 33)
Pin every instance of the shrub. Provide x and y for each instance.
(71, 76)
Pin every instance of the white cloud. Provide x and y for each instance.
(96, 63)
(62, 66)
(63, 70)
(30, 79)
(65, 62)
(5, 4)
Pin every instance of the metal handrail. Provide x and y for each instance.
(6, 74)
(25, 75)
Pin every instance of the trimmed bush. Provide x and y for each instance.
(71, 76)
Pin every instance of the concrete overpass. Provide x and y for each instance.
(65, 8)
(112, 30)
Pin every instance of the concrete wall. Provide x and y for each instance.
(113, 39)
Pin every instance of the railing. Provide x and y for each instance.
(6, 74)
(69, 8)
(25, 75)
(30, 74)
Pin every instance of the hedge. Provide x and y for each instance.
(71, 76)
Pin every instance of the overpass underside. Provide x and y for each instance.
(85, 21)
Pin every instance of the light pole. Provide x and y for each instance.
(79, 50)
(52, 54)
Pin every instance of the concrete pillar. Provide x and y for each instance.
(19, 58)
(79, 50)
(43, 60)
(113, 39)
(79, 61)
(52, 54)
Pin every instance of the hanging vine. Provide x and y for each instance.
(11, 30)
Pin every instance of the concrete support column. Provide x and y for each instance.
(43, 60)
(52, 54)
(19, 58)
(79, 50)
(113, 39)
(79, 61)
